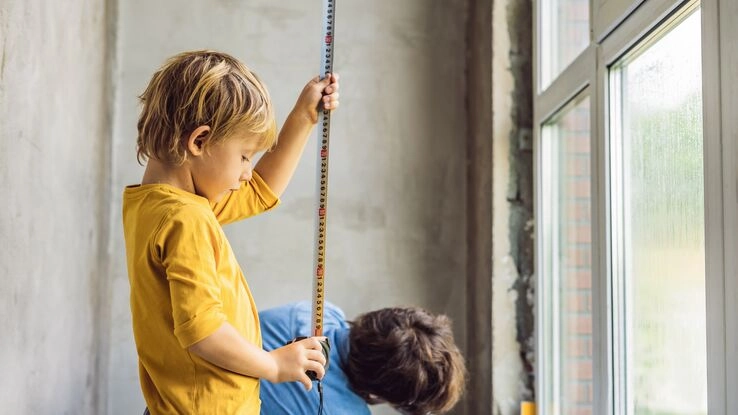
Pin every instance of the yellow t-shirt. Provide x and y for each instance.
(185, 283)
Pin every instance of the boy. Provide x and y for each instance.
(204, 116)
(405, 357)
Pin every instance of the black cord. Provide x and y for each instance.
(320, 392)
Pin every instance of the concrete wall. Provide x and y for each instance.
(396, 231)
(513, 293)
(54, 182)
(397, 190)
(481, 91)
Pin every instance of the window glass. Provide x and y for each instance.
(658, 222)
(569, 245)
(564, 35)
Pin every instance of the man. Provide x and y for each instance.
(405, 357)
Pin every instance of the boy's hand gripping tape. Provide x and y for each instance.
(326, 348)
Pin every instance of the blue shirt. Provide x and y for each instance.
(280, 325)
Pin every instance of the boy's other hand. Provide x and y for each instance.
(318, 94)
(294, 359)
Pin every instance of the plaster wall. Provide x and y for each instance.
(512, 295)
(54, 186)
(396, 232)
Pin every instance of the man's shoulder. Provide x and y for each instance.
(295, 319)
(301, 308)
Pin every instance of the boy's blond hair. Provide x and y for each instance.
(202, 88)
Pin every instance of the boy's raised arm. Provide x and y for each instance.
(276, 167)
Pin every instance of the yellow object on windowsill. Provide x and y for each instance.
(527, 408)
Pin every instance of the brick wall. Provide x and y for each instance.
(576, 264)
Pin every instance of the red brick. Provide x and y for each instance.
(581, 393)
(584, 370)
(580, 410)
(578, 188)
(580, 324)
(578, 300)
(578, 279)
(579, 347)
(580, 143)
(577, 165)
(579, 234)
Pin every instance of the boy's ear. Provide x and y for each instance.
(196, 140)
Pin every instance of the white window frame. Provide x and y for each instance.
(617, 25)
(607, 14)
(720, 91)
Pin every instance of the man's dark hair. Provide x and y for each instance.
(406, 357)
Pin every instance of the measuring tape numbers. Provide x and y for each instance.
(329, 15)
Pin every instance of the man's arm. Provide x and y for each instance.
(276, 167)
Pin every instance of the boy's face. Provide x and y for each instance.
(222, 166)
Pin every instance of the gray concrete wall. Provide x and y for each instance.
(397, 179)
(54, 182)
(481, 91)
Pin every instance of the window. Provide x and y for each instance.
(657, 227)
(566, 151)
(636, 309)
(566, 27)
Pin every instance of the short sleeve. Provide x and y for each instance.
(252, 198)
(189, 245)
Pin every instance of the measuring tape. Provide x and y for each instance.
(326, 59)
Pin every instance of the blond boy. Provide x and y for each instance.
(204, 117)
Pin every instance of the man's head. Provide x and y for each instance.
(204, 95)
(406, 357)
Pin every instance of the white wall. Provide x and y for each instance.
(397, 179)
(54, 177)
